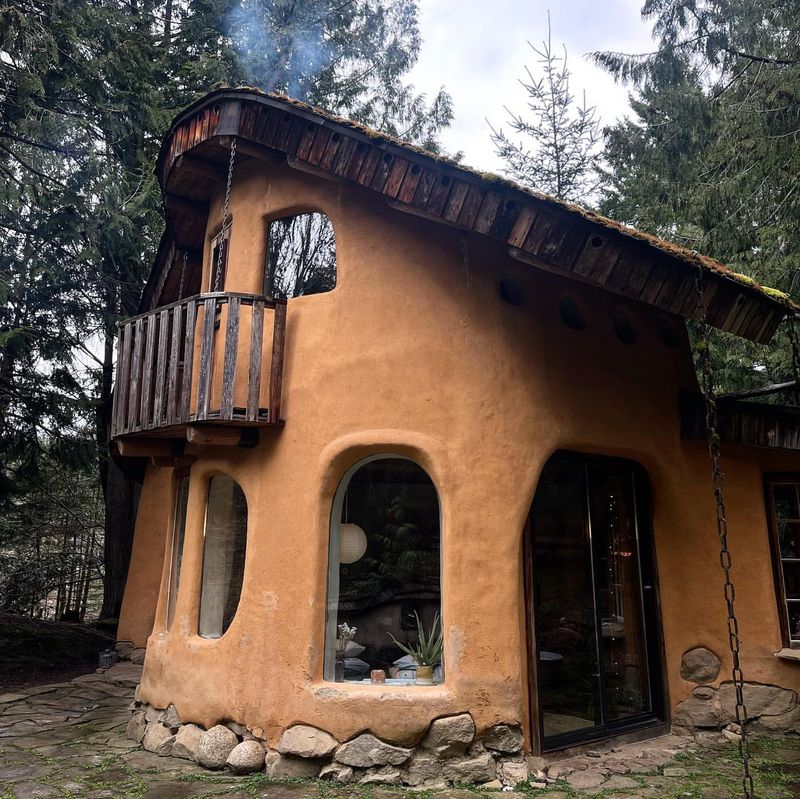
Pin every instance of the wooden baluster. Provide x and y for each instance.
(116, 427)
(276, 370)
(147, 372)
(206, 356)
(188, 361)
(134, 400)
(229, 362)
(124, 376)
(174, 360)
(254, 371)
(161, 369)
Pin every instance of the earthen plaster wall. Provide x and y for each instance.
(415, 353)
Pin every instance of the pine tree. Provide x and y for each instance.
(87, 90)
(558, 153)
(709, 157)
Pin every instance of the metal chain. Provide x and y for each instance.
(791, 330)
(183, 276)
(225, 208)
(718, 479)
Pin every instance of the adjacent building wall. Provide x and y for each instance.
(415, 353)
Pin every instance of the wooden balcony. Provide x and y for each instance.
(198, 363)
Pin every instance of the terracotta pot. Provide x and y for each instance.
(424, 675)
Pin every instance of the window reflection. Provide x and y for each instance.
(178, 533)
(301, 256)
(223, 556)
(384, 569)
(589, 610)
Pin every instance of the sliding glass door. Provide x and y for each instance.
(593, 599)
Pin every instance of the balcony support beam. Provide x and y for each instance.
(150, 447)
(219, 436)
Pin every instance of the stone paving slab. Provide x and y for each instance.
(67, 741)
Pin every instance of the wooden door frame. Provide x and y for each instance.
(531, 649)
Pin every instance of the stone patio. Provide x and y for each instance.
(68, 740)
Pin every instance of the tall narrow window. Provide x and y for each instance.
(220, 245)
(784, 506)
(301, 256)
(223, 555)
(383, 579)
(178, 532)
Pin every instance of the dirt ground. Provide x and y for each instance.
(36, 652)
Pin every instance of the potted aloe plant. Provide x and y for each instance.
(427, 651)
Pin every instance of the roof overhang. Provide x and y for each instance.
(533, 228)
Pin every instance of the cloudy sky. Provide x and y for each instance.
(478, 49)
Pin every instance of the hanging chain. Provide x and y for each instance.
(183, 276)
(225, 208)
(791, 330)
(718, 479)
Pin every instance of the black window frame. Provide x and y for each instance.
(772, 479)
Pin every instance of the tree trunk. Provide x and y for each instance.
(121, 494)
(122, 499)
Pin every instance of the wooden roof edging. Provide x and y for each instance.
(540, 230)
(746, 423)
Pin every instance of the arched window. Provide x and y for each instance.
(301, 256)
(223, 555)
(384, 574)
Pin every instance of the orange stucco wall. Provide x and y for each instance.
(415, 353)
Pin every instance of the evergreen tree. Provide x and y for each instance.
(709, 157)
(558, 153)
(87, 90)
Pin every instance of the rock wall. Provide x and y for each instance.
(448, 754)
(769, 707)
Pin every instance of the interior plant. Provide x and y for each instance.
(428, 649)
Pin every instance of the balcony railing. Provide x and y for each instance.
(199, 360)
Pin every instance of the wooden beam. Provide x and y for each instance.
(201, 167)
(773, 388)
(222, 435)
(149, 447)
(173, 202)
(253, 149)
(310, 169)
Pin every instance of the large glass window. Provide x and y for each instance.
(593, 598)
(301, 256)
(784, 501)
(223, 555)
(178, 533)
(383, 581)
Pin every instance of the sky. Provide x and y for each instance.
(478, 50)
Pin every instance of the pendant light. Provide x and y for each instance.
(352, 539)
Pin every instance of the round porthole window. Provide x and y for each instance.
(512, 290)
(623, 328)
(570, 313)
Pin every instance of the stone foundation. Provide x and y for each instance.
(448, 754)
(708, 707)
(769, 707)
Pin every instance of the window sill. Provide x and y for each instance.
(788, 654)
(378, 692)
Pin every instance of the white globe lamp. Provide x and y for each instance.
(352, 543)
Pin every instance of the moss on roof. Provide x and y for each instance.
(490, 179)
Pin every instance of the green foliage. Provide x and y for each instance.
(428, 650)
(709, 156)
(87, 90)
(558, 153)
